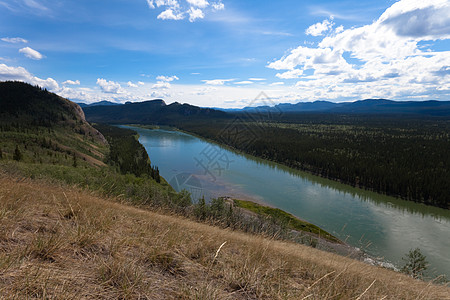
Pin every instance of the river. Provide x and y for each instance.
(384, 227)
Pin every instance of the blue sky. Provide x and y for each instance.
(223, 53)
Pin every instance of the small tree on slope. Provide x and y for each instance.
(415, 264)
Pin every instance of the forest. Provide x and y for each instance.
(126, 153)
(402, 156)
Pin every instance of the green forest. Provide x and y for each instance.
(126, 153)
(402, 156)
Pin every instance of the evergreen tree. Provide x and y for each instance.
(17, 154)
(74, 164)
(158, 179)
(416, 263)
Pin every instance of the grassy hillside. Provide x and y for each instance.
(64, 243)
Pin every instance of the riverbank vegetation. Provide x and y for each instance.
(288, 220)
(401, 156)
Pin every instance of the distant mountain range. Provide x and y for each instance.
(158, 112)
(101, 103)
(368, 106)
(149, 112)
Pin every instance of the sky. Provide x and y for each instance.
(225, 53)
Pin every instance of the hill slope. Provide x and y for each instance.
(46, 128)
(60, 242)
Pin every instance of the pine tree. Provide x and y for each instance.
(158, 179)
(416, 263)
(17, 154)
(74, 161)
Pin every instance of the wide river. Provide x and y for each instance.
(384, 227)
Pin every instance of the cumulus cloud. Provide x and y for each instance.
(71, 82)
(15, 40)
(319, 28)
(161, 85)
(163, 82)
(130, 84)
(169, 14)
(198, 3)
(109, 86)
(21, 74)
(217, 81)
(178, 10)
(195, 13)
(383, 58)
(296, 73)
(166, 78)
(218, 6)
(31, 53)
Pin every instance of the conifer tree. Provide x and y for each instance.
(17, 154)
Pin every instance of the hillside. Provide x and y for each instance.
(59, 242)
(45, 128)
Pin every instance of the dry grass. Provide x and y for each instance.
(68, 244)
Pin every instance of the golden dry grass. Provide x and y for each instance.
(63, 243)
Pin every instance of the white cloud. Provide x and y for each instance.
(195, 13)
(109, 86)
(218, 6)
(150, 4)
(319, 28)
(381, 59)
(31, 53)
(198, 3)
(178, 10)
(244, 82)
(15, 40)
(167, 78)
(339, 29)
(161, 85)
(277, 83)
(217, 81)
(130, 84)
(71, 82)
(296, 73)
(169, 14)
(140, 83)
(159, 94)
(257, 79)
(21, 74)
